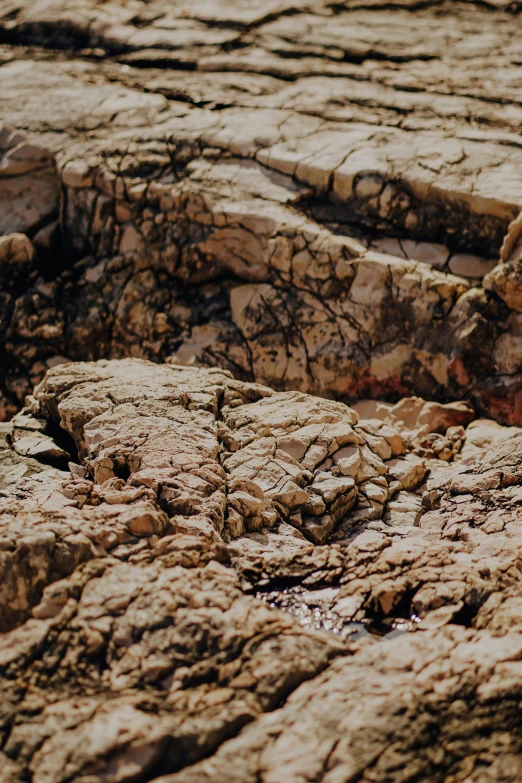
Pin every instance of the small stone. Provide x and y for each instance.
(467, 265)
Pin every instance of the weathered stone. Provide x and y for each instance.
(256, 213)
(308, 200)
(29, 185)
(135, 662)
(124, 639)
(372, 717)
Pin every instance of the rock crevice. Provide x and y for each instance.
(318, 203)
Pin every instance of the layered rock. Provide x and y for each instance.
(207, 573)
(120, 695)
(322, 212)
(430, 707)
(436, 703)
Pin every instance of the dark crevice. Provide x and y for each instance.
(230, 24)
(62, 439)
(472, 605)
(180, 752)
(451, 224)
(398, 6)
(122, 471)
(351, 57)
(55, 35)
(165, 63)
(53, 259)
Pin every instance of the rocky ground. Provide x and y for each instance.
(314, 197)
(180, 552)
(261, 391)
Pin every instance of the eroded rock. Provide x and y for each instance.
(324, 216)
(130, 647)
(309, 200)
(142, 669)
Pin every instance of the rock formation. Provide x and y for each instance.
(314, 198)
(261, 391)
(150, 515)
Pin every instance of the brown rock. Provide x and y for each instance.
(271, 201)
(204, 210)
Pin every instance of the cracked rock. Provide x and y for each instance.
(132, 647)
(318, 199)
(261, 391)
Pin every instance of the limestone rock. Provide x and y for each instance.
(143, 669)
(210, 185)
(29, 185)
(372, 716)
(261, 391)
(131, 640)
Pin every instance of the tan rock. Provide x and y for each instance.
(313, 198)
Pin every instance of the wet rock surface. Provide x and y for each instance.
(260, 400)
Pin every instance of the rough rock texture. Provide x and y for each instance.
(315, 197)
(129, 670)
(208, 574)
(181, 551)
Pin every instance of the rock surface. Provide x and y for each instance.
(208, 574)
(322, 197)
(150, 516)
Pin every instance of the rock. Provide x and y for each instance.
(260, 297)
(40, 447)
(482, 433)
(408, 472)
(215, 217)
(418, 417)
(127, 582)
(221, 456)
(467, 265)
(29, 185)
(403, 510)
(430, 253)
(133, 693)
(383, 731)
(17, 256)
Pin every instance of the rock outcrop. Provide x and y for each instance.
(181, 551)
(318, 199)
(261, 391)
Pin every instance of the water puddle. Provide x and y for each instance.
(313, 609)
